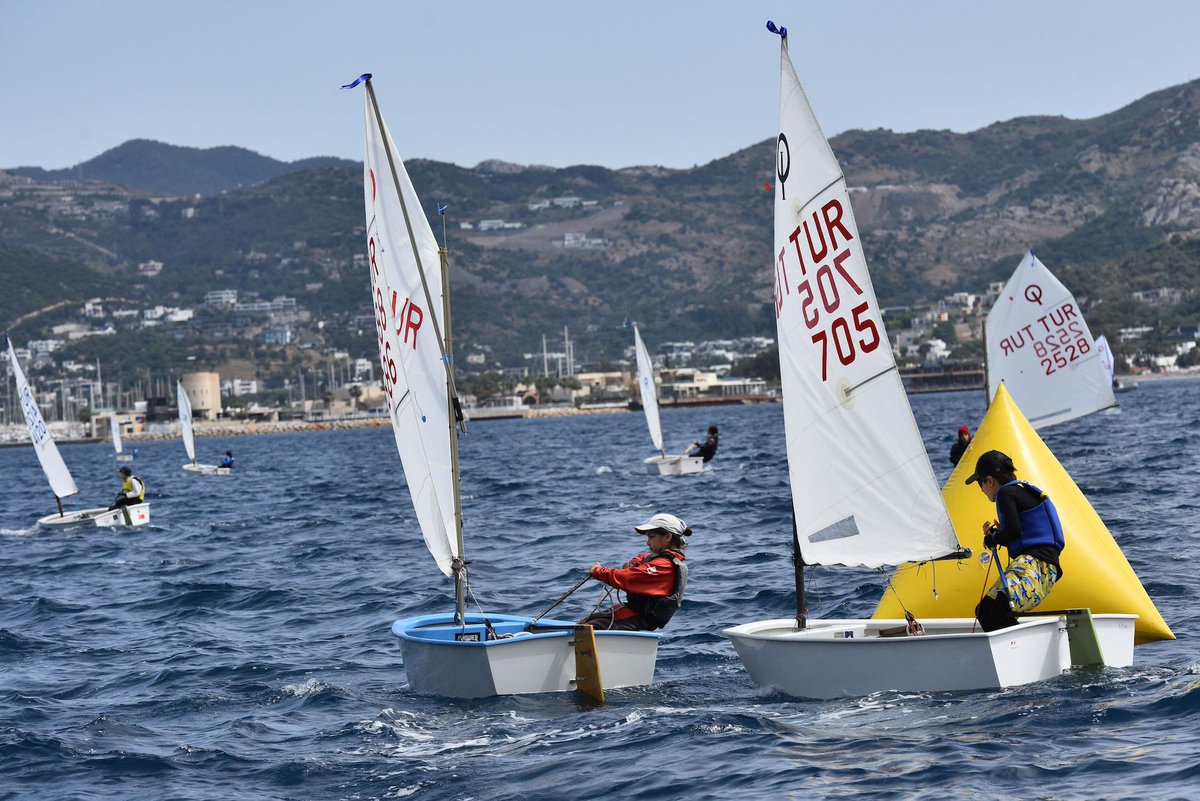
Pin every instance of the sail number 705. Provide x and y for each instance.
(845, 344)
(815, 240)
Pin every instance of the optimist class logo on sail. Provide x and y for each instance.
(813, 275)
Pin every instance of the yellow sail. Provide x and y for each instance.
(1096, 574)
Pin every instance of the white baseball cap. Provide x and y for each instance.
(665, 522)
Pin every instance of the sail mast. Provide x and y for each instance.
(460, 584)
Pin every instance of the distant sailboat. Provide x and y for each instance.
(673, 465)
(61, 482)
(1110, 366)
(458, 654)
(1039, 345)
(863, 490)
(118, 448)
(189, 437)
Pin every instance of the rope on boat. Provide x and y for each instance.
(912, 626)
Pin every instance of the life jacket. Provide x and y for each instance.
(127, 487)
(1039, 525)
(658, 609)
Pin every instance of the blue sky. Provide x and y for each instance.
(616, 83)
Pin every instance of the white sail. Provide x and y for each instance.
(185, 421)
(1039, 345)
(646, 387)
(1106, 357)
(400, 246)
(43, 444)
(863, 490)
(116, 435)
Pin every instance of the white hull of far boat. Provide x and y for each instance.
(542, 662)
(138, 515)
(206, 469)
(846, 658)
(673, 465)
(124, 457)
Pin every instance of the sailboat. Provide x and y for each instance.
(1039, 345)
(1110, 366)
(863, 490)
(62, 484)
(189, 437)
(457, 654)
(118, 448)
(673, 465)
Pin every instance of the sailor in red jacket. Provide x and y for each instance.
(653, 582)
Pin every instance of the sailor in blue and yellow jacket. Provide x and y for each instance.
(1027, 524)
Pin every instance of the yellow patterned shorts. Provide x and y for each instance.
(1028, 580)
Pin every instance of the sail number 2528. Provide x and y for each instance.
(837, 323)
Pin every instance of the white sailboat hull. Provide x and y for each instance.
(543, 662)
(673, 465)
(206, 469)
(75, 518)
(138, 515)
(124, 457)
(847, 658)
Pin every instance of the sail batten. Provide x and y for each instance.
(648, 392)
(1040, 347)
(863, 490)
(407, 300)
(57, 474)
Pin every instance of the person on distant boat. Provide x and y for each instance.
(1027, 524)
(228, 460)
(709, 449)
(654, 582)
(133, 490)
(960, 445)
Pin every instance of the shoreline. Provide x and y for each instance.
(251, 427)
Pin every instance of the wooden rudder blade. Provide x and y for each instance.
(587, 664)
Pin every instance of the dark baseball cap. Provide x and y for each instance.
(991, 463)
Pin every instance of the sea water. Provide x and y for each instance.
(238, 646)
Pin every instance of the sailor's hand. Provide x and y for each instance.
(989, 535)
(592, 570)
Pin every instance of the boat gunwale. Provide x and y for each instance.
(403, 629)
(808, 634)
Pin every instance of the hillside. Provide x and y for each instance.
(1111, 204)
(161, 169)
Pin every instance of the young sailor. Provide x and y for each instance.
(133, 490)
(960, 445)
(228, 460)
(653, 582)
(1027, 524)
(709, 449)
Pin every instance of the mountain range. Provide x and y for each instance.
(1110, 204)
(163, 169)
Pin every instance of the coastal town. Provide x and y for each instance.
(335, 388)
